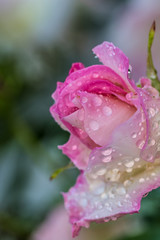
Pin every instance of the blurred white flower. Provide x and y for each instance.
(129, 31)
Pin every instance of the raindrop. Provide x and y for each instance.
(95, 75)
(97, 101)
(107, 159)
(127, 183)
(84, 100)
(98, 188)
(107, 111)
(121, 67)
(152, 112)
(140, 143)
(119, 204)
(151, 142)
(145, 195)
(134, 135)
(83, 202)
(149, 157)
(94, 125)
(129, 71)
(121, 190)
(74, 147)
(141, 180)
(101, 172)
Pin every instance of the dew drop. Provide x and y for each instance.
(107, 152)
(140, 144)
(94, 125)
(127, 183)
(121, 67)
(98, 188)
(134, 135)
(95, 75)
(136, 159)
(141, 180)
(97, 101)
(149, 157)
(83, 202)
(129, 164)
(151, 142)
(107, 111)
(152, 112)
(111, 52)
(121, 190)
(119, 204)
(74, 147)
(145, 195)
(101, 172)
(84, 100)
(155, 125)
(153, 174)
(107, 159)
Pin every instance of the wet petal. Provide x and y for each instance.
(114, 58)
(119, 174)
(76, 151)
(109, 111)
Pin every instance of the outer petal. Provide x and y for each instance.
(77, 152)
(118, 176)
(114, 58)
(75, 67)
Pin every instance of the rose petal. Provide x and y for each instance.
(77, 152)
(96, 79)
(109, 111)
(75, 67)
(117, 177)
(114, 58)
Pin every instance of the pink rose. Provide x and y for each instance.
(114, 140)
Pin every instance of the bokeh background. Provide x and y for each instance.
(39, 40)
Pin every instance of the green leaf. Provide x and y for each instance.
(151, 71)
(60, 170)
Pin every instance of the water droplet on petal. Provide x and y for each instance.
(107, 111)
(127, 183)
(134, 135)
(101, 172)
(95, 75)
(152, 112)
(136, 159)
(94, 125)
(141, 180)
(149, 157)
(155, 125)
(107, 159)
(83, 202)
(97, 101)
(129, 164)
(121, 190)
(74, 147)
(121, 67)
(151, 142)
(107, 152)
(84, 100)
(140, 143)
